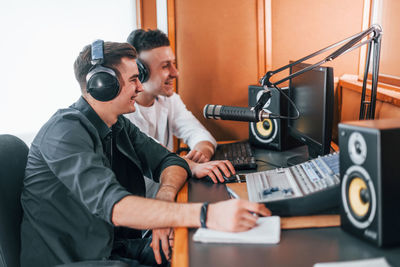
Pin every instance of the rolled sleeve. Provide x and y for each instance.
(174, 160)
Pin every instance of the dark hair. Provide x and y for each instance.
(113, 52)
(146, 40)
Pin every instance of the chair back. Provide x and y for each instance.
(13, 157)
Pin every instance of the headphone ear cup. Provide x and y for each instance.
(102, 85)
(144, 71)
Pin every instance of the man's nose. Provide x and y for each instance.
(139, 86)
(174, 71)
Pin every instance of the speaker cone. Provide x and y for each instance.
(265, 128)
(359, 197)
(265, 131)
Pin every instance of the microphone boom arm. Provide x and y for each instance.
(367, 108)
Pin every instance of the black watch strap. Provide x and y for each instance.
(203, 215)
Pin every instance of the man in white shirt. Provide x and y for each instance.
(160, 111)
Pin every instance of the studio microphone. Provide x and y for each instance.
(220, 112)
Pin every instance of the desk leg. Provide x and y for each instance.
(180, 252)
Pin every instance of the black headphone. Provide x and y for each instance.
(101, 82)
(144, 71)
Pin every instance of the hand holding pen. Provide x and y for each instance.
(234, 195)
(235, 215)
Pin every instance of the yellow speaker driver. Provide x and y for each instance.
(359, 197)
(265, 128)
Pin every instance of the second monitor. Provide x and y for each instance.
(313, 94)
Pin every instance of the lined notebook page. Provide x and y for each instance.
(267, 231)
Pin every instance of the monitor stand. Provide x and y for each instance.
(297, 159)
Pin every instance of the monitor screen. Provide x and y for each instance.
(312, 93)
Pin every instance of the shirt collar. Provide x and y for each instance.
(83, 106)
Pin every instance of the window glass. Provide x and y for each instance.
(386, 13)
(40, 42)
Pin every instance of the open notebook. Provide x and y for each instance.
(267, 231)
(374, 262)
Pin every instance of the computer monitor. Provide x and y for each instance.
(312, 93)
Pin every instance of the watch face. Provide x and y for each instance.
(357, 148)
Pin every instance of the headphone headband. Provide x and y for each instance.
(97, 52)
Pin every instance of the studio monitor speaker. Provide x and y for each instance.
(270, 133)
(370, 180)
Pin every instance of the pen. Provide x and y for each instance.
(232, 193)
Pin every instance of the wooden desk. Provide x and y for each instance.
(180, 255)
(299, 247)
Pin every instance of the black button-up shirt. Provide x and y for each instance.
(70, 188)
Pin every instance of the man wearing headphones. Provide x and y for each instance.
(161, 112)
(83, 189)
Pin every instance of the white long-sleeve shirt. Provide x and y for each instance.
(169, 117)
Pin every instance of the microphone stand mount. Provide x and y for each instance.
(374, 38)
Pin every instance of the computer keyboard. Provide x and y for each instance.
(239, 153)
(306, 188)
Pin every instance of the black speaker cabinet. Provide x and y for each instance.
(370, 180)
(271, 133)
